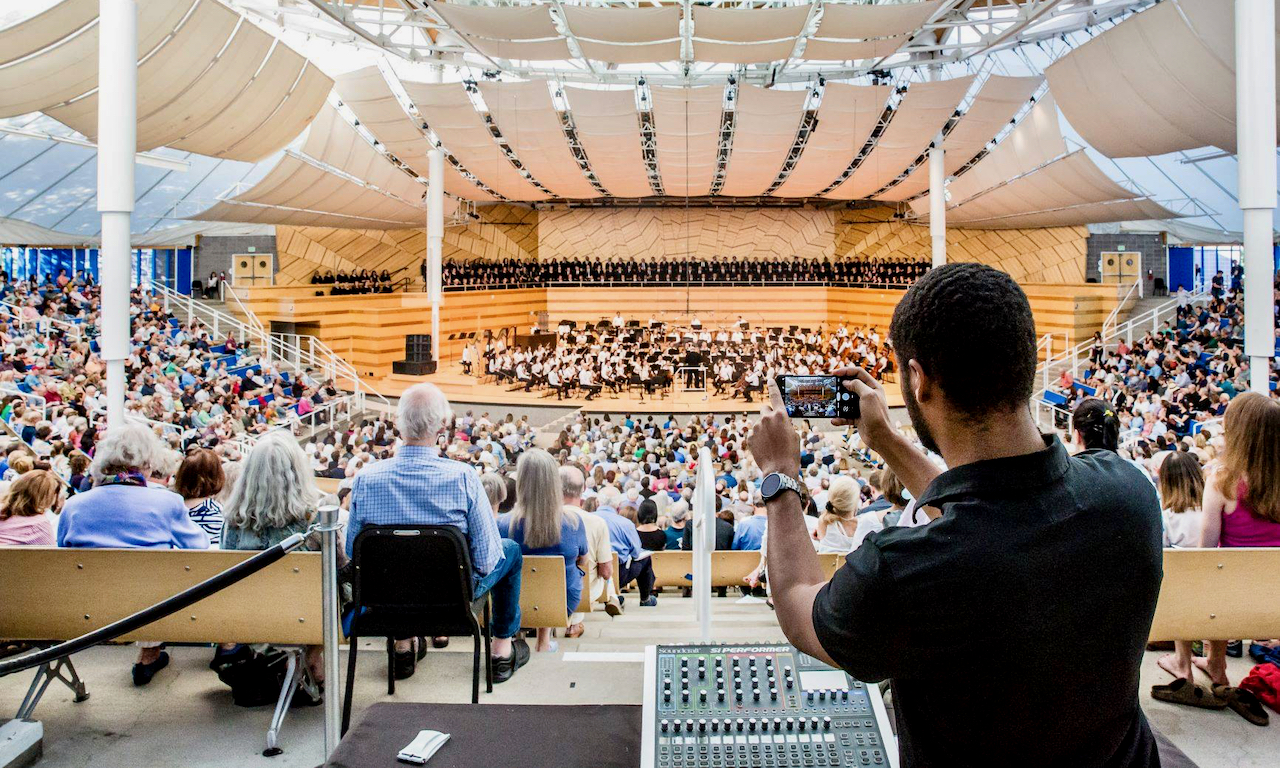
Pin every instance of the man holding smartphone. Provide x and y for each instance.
(1012, 626)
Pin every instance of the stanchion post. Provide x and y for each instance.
(329, 593)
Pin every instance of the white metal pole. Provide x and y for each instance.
(329, 615)
(117, 143)
(435, 243)
(704, 541)
(435, 232)
(938, 193)
(938, 202)
(1255, 155)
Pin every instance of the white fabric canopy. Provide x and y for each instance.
(232, 211)
(764, 131)
(687, 124)
(609, 130)
(742, 53)
(623, 25)
(631, 54)
(1073, 180)
(366, 93)
(1077, 215)
(297, 189)
(44, 29)
(846, 118)
(751, 25)
(829, 50)
(921, 114)
(1035, 141)
(336, 143)
(523, 33)
(1160, 81)
(878, 20)
(528, 120)
(69, 68)
(448, 110)
(996, 104)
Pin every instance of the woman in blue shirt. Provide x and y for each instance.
(541, 526)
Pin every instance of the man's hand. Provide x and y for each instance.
(774, 444)
(873, 425)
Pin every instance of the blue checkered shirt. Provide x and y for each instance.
(419, 487)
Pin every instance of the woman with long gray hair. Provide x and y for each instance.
(540, 525)
(274, 498)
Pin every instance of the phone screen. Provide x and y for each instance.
(812, 397)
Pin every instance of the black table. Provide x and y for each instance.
(497, 736)
(535, 735)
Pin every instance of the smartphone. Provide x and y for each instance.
(818, 397)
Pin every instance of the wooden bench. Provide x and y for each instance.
(1218, 594)
(729, 568)
(54, 594)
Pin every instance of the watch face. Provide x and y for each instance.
(770, 485)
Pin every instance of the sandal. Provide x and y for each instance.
(1243, 703)
(1184, 691)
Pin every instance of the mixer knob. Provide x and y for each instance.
(684, 696)
(813, 723)
(715, 725)
(801, 724)
(702, 697)
(773, 694)
(676, 726)
(826, 723)
(790, 683)
(777, 724)
(822, 694)
(720, 695)
(844, 695)
(666, 726)
(755, 694)
(791, 723)
(688, 726)
(751, 726)
(739, 723)
(702, 673)
(737, 694)
(808, 695)
(702, 726)
(666, 696)
(728, 725)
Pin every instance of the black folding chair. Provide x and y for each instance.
(414, 581)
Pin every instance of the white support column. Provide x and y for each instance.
(435, 233)
(1256, 160)
(117, 144)
(938, 192)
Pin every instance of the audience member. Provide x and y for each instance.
(541, 526)
(634, 561)
(419, 487)
(26, 509)
(198, 481)
(123, 511)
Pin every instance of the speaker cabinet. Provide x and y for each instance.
(417, 347)
(414, 367)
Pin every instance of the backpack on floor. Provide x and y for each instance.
(256, 680)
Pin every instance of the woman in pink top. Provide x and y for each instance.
(22, 519)
(1241, 507)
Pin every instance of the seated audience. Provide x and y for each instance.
(122, 510)
(652, 537)
(26, 509)
(1241, 509)
(599, 559)
(420, 487)
(838, 523)
(541, 526)
(634, 561)
(749, 532)
(274, 498)
(199, 480)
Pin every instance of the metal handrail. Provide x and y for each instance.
(74, 330)
(1135, 287)
(41, 402)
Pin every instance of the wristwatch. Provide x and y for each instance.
(776, 483)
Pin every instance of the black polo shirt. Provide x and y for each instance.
(1013, 626)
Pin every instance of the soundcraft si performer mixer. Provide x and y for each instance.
(758, 706)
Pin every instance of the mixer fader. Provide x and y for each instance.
(758, 706)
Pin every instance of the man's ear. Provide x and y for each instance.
(922, 386)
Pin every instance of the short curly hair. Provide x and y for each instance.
(970, 328)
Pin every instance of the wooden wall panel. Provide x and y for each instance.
(1053, 255)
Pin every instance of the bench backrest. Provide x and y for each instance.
(57, 594)
(1218, 594)
(542, 593)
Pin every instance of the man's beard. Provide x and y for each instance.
(917, 418)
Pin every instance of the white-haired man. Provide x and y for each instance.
(420, 487)
(599, 550)
(634, 561)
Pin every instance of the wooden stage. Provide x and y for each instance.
(461, 388)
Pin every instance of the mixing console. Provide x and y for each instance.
(758, 706)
